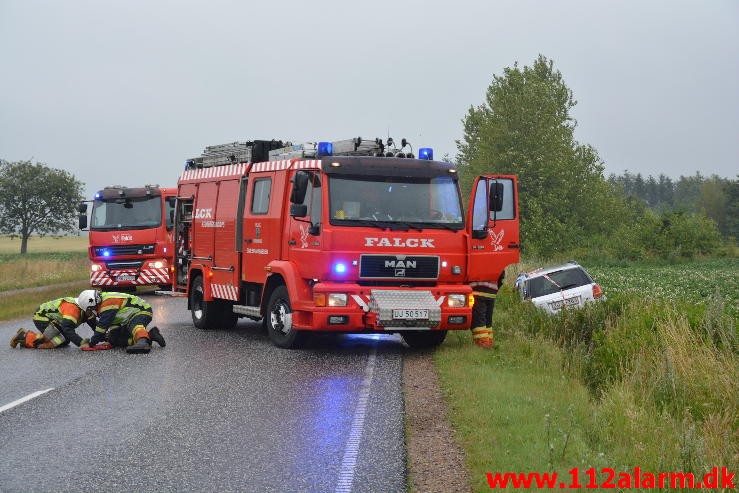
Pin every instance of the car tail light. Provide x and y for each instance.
(597, 292)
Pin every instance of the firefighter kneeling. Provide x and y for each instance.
(121, 319)
(56, 321)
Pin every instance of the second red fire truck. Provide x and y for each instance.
(131, 234)
(346, 236)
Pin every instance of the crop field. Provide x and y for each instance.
(46, 244)
(695, 281)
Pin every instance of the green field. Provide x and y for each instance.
(648, 378)
(49, 262)
(45, 244)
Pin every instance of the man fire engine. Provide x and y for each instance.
(346, 236)
(130, 237)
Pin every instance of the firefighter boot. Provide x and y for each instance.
(483, 337)
(156, 336)
(19, 338)
(142, 346)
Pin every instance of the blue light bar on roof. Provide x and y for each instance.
(98, 195)
(426, 153)
(325, 149)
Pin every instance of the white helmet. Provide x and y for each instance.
(89, 298)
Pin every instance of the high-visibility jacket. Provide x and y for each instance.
(64, 314)
(119, 309)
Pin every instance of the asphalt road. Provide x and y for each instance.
(213, 411)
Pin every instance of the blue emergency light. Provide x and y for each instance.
(325, 149)
(106, 253)
(426, 153)
(339, 268)
(98, 195)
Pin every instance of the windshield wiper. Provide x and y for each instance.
(433, 225)
(407, 225)
(367, 222)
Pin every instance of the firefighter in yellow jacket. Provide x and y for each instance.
(121, 320)
(56, 321)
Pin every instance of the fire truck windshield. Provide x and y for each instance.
(126, 213)
(418, 202)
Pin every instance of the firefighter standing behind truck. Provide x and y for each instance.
(125, 315)
(56, 321)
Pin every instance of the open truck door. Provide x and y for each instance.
(492, 224)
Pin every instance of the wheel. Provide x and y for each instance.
(279, 320)
(205, 314)
(418, 339)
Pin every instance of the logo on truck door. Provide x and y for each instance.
(204, 213)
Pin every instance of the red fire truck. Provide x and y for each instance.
(131, 236)
(345, 236)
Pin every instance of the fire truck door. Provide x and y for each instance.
(304, 233)
(261, 226)
(226, 266)
(202, 232)
(493, 227)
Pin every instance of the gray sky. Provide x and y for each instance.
(123, 92)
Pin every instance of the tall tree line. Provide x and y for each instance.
(713, 196)
(524, 126)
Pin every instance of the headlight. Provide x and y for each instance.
(456, 300)
(96, 267)
(158, 264)
(337, 299)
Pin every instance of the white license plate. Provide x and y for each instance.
(125, 278)
(573, 301)
(410, 314)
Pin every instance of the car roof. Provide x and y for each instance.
(554, 268)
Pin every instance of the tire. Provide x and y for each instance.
(278, 320)
(205, 314)
(420, 339)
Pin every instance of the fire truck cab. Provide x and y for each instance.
(131, 236)
(346, 236)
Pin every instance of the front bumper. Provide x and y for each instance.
(129, 277)
(386, 309)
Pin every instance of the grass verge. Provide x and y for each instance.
(23, 304)
(645, 379)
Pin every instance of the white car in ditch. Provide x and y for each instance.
(561, 286)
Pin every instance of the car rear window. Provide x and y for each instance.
(557, 281)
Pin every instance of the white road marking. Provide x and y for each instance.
(24, 399)
(349, 463)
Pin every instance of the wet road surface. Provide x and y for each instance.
(213, 411)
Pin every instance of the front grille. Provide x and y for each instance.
(398, 267)
(124, 265)
(115, 250)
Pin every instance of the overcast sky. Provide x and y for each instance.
(123, 92)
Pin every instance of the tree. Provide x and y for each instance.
(525, 127)
(36, 199)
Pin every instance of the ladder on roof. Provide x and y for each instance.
(275, 150)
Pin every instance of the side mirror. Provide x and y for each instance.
(82, 208)
(170, 221)
(496, 197)
(298, 210)
(83, 221)
(300, 186)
